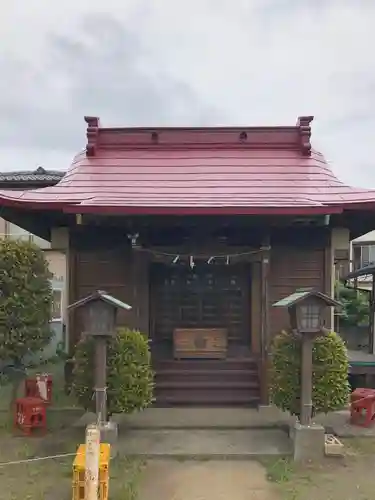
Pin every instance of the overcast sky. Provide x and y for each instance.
(186, 62)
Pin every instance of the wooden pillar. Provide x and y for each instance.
(255, 308)
(328, 278)
(306, 379)
(265, 325)
(101, 378)
(61, 240)
(140, 282)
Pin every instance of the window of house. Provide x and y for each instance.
(367, 255)
(57, 305)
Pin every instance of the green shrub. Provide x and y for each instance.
(355, 305)
(25, 300)
(129, 374)
(330, 373)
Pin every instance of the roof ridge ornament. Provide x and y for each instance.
(303, 124)
(92, 134)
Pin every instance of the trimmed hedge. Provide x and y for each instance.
(330, 373)
(130, 379)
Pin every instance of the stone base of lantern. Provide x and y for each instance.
(308, 442)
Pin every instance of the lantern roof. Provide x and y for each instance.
(103, 296)
(303, 294)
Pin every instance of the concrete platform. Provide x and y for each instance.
(204, 444)
(336, 423)
(203, 418)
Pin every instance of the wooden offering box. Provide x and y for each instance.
(209, 343)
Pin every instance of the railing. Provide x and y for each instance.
(343, 268)
(358, 263)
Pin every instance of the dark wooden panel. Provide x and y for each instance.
(120, 273)
(193, 343)
(203, 297)
(292, 268)
(255, 300)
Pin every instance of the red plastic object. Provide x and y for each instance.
(30, 414)
(32, 390)
(362, 408)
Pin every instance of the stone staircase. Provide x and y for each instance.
(229, 382)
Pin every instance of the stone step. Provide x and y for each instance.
(194, 397)
(212, 385)
(206, 375)
(207, 364)
(204, 444)
(202, 418)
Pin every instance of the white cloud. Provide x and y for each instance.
(253, 62)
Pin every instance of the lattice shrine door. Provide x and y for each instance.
(207, 296)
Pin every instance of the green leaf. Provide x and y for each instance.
(130, 379)
(25, 300)
(330, 372)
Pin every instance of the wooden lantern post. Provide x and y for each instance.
(306, 313)
(99, 321)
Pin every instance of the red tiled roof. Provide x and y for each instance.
(40, 176)
(212, 171)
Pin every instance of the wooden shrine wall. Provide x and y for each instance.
(300, 260)
(108, 264)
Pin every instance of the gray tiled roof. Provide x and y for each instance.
(38, 175)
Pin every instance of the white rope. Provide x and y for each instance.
(200, 256)
(37, 459)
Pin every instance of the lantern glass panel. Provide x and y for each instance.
(100, 318)
(310, 317)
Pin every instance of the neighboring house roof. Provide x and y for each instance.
(363, 271)
(40, 175)
(249, 170)
(365, 238)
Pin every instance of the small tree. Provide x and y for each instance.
(129, 373)
(330, 373)
(355, 305)
(25, 302)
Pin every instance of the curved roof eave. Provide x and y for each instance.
(117, 206)
(262, 170)
(7, 199)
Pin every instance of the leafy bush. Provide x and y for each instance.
(355, 305)
(25, 300)
(129, 374)
(330, 373)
